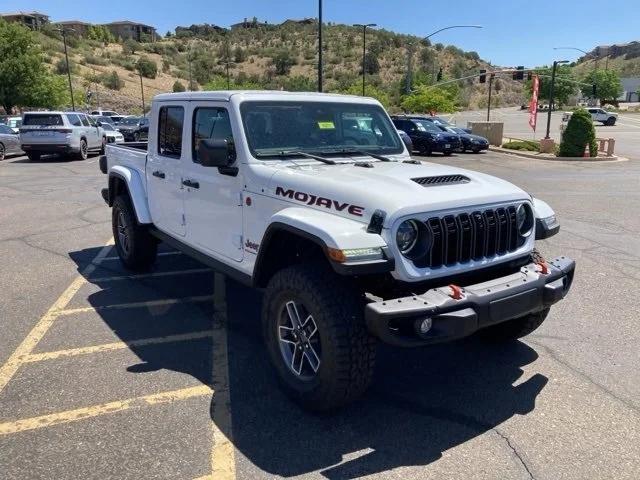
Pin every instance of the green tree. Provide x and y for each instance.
(112, 81)
(239, 55)
(24, 79)
(565, 84)
(370, 91)
(147, 67)
(579, 133)
(178, 86)
(371, 64)
(130, 46)
(428, 99)
(607, 82)
(283, 61)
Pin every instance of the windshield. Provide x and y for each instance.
(426, 126)
(319, 127)
(130, 121)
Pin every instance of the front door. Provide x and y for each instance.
(91, 132)
(213, 202)
(164, 171)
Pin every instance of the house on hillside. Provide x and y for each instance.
(304, 21)
(204, 29)
(78, 27)
(630, 89)
(34, 20)
(253, 23)
(126, 29)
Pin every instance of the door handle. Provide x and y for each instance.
(158, 174)
(190, 183)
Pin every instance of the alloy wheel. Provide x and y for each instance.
(123, 234)
(299, 340)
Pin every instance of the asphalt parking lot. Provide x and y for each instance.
(626, 131)
(108, 375)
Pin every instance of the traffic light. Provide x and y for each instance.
(439, 76)
(519, 73)
(483, 77)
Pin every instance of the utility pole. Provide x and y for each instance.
(409, 68)
(551, 93)
(142, 92)
(489, 101)
(66, 56)
(319, 45)
(190, 78)
(364, 50)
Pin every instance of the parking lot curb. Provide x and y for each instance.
(537, 156)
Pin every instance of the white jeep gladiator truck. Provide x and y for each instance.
(315, 199)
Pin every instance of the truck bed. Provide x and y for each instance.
(130, 155)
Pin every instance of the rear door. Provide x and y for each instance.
(164, 169)
(213, 202)
(91, 132)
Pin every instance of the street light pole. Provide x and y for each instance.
(551, 93)
(427, 38)
(364, 49)
(595, 66)
(319, 45)
(489, 100)
(66, 56)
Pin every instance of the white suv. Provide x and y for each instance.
(600, 115)
(67, 133)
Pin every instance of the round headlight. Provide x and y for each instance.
(407, 235)
(524, 219)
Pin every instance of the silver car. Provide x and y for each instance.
(67, 133)
(9, 142)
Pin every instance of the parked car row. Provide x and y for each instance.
(430, 134)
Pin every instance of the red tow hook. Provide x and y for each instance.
(544, 267)
(456, 292)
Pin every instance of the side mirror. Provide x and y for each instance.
(216, 153)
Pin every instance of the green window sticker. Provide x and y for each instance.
(326, 126)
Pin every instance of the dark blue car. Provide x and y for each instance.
(426, 136)
(468, 141)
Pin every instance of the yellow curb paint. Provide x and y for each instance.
(103, 409)
(223, 463)
(108, 347)
(9, 368)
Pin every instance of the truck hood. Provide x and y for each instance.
(357, 192)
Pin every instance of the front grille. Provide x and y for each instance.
(441, 180)
(471, 236)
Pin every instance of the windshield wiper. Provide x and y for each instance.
(293, 153)
(345, 151)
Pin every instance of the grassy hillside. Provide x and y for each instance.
(279, 57)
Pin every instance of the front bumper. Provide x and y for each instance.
(529, 290)
(445, 146)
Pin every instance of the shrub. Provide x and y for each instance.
(178, 86)
(147, 67)
(579, 133)
(283, 62)
(524, 145)
(130, 46)
(112, 81)
(61, 66)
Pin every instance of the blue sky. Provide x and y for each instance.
(515, 32)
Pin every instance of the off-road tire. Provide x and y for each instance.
(610, 122)
(33, 157)
(142, 249)
(348, 350)
(83, 151)
(104, 144)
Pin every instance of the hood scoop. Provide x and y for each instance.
(441, 180)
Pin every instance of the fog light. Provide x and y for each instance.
(425, 325)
